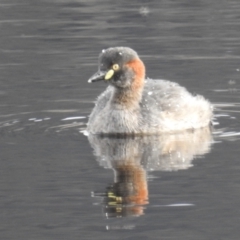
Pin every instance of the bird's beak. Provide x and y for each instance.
(101, 75)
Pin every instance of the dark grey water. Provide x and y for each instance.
(53, 185)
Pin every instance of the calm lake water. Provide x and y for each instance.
(56, 183)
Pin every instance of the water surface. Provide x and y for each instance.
(55, 182)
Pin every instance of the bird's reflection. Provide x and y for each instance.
(131, 159)
(128, 194)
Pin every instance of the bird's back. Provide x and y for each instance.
(171, 107)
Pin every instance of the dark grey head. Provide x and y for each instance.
(119, 66)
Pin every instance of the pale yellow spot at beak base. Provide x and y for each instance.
(109, 74)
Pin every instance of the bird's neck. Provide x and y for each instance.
(126, 98)
(130, 97)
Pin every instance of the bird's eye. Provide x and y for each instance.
(115, 67)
